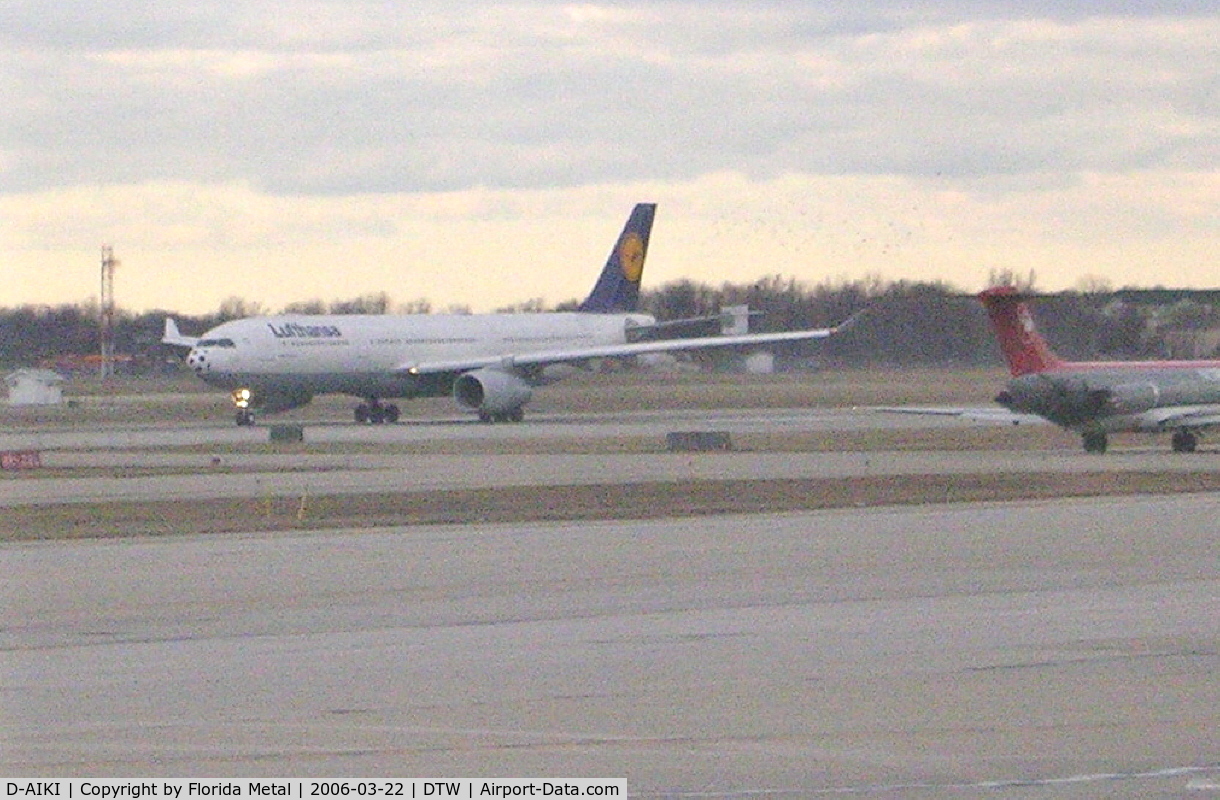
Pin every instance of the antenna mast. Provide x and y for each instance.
(109, 262)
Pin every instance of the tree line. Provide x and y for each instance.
(898, 322)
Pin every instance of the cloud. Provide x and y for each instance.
(341, 98)
(479, 152)
(188, 247)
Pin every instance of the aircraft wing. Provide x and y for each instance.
(174, 337)
(1205, 416)
(999, 416)
(544, 357)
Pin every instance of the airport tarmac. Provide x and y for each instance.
(1061, 648)
(191, 463)
(1051, 649)
(314, 475)
(636, 423)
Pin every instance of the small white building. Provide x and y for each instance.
(760, 363)
(34, 387)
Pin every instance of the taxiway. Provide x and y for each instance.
(957, 648)
(1032, 649)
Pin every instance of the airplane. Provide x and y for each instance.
(1096, 398)
(489, 363)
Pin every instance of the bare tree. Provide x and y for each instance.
(234, 307)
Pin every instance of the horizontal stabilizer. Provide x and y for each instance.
(174, 337)
(730, 321)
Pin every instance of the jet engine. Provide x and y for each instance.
(493, 393)
(1065, 402)
(1072, 402)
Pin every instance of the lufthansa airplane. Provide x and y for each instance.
(489, 363)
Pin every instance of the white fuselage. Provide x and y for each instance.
(373, 355)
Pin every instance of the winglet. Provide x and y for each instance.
(618, 288)
(174, 337)
(1024, 348)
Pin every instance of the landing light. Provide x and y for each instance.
(241, 398)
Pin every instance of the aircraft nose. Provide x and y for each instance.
(197, 360)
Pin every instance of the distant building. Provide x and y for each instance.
(760, 363)
(34, 387)
(1192, 344)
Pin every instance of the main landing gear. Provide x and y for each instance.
(1094, 441)
(516, 415)
(1184, 441)
(374, 413)
(245, 417)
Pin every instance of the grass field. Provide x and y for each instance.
(126, 401)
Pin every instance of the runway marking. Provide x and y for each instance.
(1104, 777)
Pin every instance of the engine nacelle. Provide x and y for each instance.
(491, 391)
(1067, 402)
(1134, 398)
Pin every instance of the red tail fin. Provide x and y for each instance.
(1024, 349)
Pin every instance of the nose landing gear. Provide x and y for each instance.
(243, 399)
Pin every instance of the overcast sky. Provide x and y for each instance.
(485, 153)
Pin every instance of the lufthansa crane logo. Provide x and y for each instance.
(631, 257)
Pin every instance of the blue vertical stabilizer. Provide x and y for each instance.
(618, 288)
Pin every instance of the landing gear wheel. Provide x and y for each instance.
(1184, 441)
(244, 417)
(1094, 441)
(374, 413)
(488, 418)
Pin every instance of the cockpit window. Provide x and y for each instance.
(216, 343)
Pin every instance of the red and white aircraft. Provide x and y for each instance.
(1096, 398)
